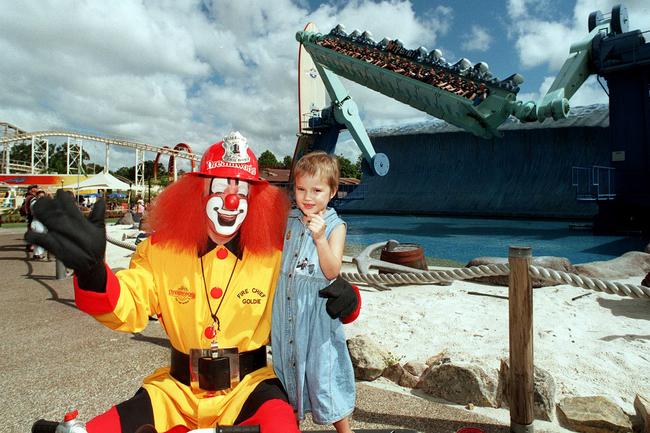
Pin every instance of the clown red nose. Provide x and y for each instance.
(231, 202)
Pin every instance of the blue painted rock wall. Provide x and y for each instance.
(526, 173)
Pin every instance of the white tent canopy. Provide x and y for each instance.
(101, 181)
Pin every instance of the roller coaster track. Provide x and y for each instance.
(176, 153)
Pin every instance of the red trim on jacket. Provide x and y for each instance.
(274, 416)
(353, 315)
(107, 422)
(95, 303)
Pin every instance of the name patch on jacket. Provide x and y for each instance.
(182, 295)
(251, 296)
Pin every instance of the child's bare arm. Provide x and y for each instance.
(330, 252)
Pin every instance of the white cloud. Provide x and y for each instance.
(479, 39)
(543, 38)
(164, 72)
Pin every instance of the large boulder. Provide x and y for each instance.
(368, 359)
(642, 407)
(543, 391)
(592, 415)
(460, 384)
(556, 263)
(630, 264)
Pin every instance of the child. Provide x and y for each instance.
(310, 355)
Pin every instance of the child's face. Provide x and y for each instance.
(312, 194)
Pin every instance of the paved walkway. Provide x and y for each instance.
(54, 358)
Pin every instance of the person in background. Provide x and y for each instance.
(26, 211)
(310, 354)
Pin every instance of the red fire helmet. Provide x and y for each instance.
(230, 158)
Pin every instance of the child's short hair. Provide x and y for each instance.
(321, 164)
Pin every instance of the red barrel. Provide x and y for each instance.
(411, 255)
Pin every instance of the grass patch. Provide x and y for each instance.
(21, 225)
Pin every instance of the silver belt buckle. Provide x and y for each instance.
(232, 353)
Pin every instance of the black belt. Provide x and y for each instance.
(248, 362)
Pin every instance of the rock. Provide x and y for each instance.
(647, 249)
(646, 280)
(543, 391)
(127, 219)
(415, 368)
(556, 263)
(408, 380)
(630, 264)
(460, 384)
(368, 359)
(393, 372)
(400, 376)
(437, 359)
(642, 407)
(595, 414)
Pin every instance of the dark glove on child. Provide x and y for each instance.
(342, 298)
(78, 242)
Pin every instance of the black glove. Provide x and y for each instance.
(342, 298)
(78, 242)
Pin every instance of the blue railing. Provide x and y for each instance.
(593, 183)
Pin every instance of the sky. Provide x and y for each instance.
(170, 71)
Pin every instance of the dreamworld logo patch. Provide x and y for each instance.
(182, 295)
(218, 164)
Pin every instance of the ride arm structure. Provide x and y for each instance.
(464, 95)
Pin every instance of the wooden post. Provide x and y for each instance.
(521, 340)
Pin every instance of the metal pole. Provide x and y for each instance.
(106, 156)
(7, 157)
(32, 163)
(521, 340)
(60, 270)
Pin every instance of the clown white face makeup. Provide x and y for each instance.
(226, 207)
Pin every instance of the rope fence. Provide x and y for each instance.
(447, 276)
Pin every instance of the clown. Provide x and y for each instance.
(208, 273)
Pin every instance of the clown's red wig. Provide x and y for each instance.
(178, 218)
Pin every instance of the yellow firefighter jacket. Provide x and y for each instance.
(171, 285)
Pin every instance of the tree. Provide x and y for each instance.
(57, 158)
(348, 169)
(129, 172)
(21, 153)
(267, 160)
(287, 161)
(93, 168)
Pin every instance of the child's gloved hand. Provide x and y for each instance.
(342, 299)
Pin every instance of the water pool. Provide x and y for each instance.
(462, 239)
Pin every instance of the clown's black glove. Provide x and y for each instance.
(78, 242)
(342, 299)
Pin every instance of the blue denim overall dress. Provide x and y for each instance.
(310, 355)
